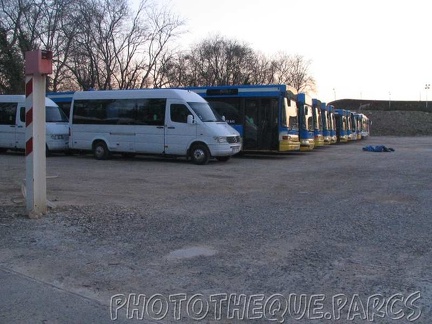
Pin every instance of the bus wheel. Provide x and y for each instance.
(200, 154)
(100, 151)
(223, 158)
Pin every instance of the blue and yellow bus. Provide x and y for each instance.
(264, 115)
(317, 121)
(326, 120)
(351, 131)
(356, 124)
(341, 117)
(364, 125)
(306, 126)
(333, 124)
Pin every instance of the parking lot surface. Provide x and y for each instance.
(336, 234)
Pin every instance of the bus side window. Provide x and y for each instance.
(7, 113)
(179, 113)
(151, 112)
(22, 114)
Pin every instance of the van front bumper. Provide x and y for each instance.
(224, 150)
(58, 144)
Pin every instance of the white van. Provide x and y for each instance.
(13, 128)
(169, 122)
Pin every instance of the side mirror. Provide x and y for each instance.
(190, 119)
(223, 118)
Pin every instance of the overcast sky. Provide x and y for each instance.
(362, 49)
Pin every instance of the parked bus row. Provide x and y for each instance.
(275, 118)
(169, 122)
(198, 122)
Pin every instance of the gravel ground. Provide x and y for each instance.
(336, 224)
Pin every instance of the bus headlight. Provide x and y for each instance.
(221, 139)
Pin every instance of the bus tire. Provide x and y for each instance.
(100, 150)
(223, 158)
(200, 154)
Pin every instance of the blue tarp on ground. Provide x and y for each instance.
(378, 148)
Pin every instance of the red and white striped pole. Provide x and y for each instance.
(38, 64)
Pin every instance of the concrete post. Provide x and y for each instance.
(35, 146)
(38, 64)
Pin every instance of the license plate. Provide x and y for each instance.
(235, 149)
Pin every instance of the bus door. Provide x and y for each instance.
(261, 124)
(8, 125)
(150, 134)
(178, 133)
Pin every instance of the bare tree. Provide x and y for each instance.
(98, 44)
(94, 49)
(19, 21)
(218, 61)
(15, 40)
(33, 24)
(120, 49)
(296, 68)
(262, 70)
(171, 70)
(103, 44)
(57, 32)
(11, 67)
(162, 27)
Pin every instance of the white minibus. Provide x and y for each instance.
(13, 127)
(168, 122)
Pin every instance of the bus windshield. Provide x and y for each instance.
(308, 118)
(55, 114)
(289, 115)
(326, 120)
(291, 112)
(204, 112)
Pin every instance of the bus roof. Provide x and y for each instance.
(303, 98)
(316, 102)
(267, 90)
(65, 96)
(12, 98)
(22, 99)
(185, 95)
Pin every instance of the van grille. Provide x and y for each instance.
(233, 139)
